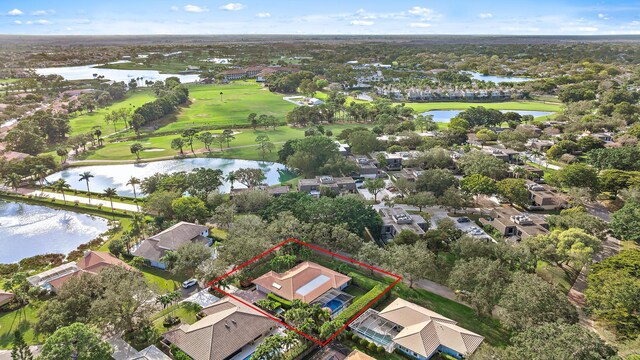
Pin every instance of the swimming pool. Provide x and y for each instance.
(334, 304)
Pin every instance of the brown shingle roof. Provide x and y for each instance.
(5, 297)
(228, 326)
(293, 280)
(172, 238)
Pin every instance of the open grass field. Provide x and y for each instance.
(8, 81)
(83, 123)
(508, 105)
(239, 99)
(243, 147)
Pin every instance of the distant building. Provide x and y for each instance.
(507, 155)
(410, 174)
(339, 185)
(343, 148)
(368, 168)
(91, 263)
(397, 219)
(513, 224)
(155, 247)
(545, 197)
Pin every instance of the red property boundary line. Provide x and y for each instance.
(290, 240)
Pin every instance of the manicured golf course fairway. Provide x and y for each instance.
(508, 105)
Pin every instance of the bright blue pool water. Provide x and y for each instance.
(334, 305)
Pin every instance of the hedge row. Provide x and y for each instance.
(359, 304)
(286, 304)
(363, 282)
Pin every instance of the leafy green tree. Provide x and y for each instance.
(480, 282)
(530, 301)
(203, 181)
(207, 139)
(264, 145)
(136, 148)
(188, 136)
(160, 203)
(189, 257)
(435, 181)
(613, 291)
(374, 186)
(555, 341)
(406, 237)
(626, 221)
(478, 184)
(311, 153)
(363, 142)
(190, 208)
(20, 350)
(412, 261)
(514, 190)
(579, 218)
(13, 180)
(178, 144)
(478, 162)
(249, 177)
(227, 135)
(422, 199)
(486, 135)
(78, 342)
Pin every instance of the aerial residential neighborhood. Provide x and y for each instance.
(269, 180)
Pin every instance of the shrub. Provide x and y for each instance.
(380, 349)
(354, 337)
(372, 346)
(362, 281)
(286, 304)
(359, 304)
(363, 342)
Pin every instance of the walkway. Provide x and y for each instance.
(83, 200)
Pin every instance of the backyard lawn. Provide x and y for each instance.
(162, 281)
(83, 123)
(23, 319)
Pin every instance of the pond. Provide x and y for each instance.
(117, 176)
(497, 78)
(29, 230)
(447, 115)
(87, 72)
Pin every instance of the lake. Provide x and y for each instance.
(447, 115)
(87, 71)
(116, 176)
(28, 230)
(497, 78)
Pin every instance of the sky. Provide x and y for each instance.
(133, 17)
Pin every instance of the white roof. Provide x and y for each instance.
(312, 285)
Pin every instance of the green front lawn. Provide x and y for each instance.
(161, 280)
(23, 319)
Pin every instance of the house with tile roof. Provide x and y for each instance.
(358, 355)
(91, 263)
(155, 247)
(415, 331)
(5, 298)
(228, 331)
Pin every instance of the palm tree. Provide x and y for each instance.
(231, 178)
(110, 193)
(86, 176)
(13, 180)
(39, 172)
(60, 185)
(133, 181)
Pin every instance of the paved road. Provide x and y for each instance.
(84, 200)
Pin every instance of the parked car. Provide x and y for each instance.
(189, 283)
(463, 219)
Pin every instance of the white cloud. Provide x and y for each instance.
(43, 12)
(42, 22)
(603, 16)
(18, 22)
(263, 15)
(420, 25)
(233, 7)
(174, 8)
(587, 28)
(15, 12)
(195, 8)
(424, 13)
(361, 23)
(485, 15)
